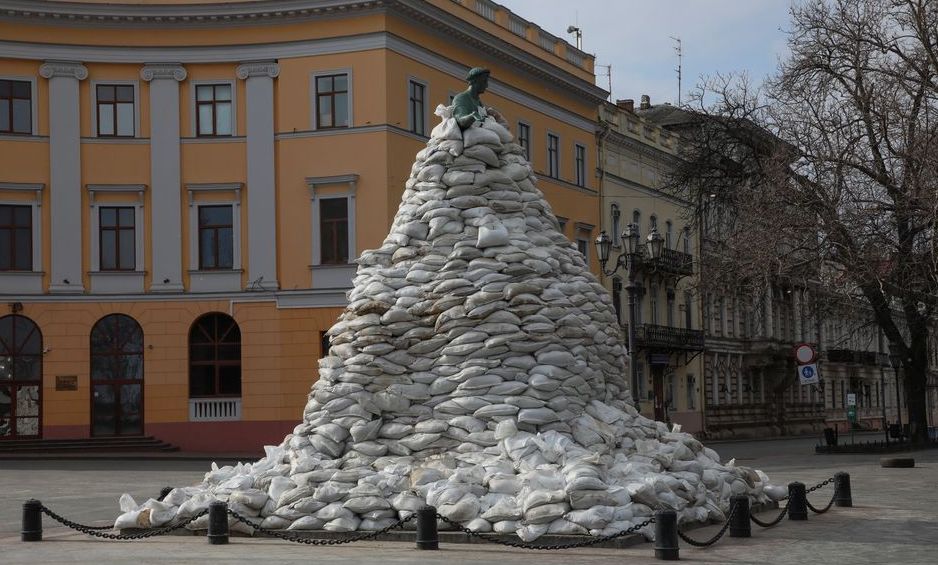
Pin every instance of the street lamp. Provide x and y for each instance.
(895, 359)
(629, 259)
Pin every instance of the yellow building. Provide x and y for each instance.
(184, 187)
(635, 154)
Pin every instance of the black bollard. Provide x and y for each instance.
(666, 548)
(797, 502)
(842, 495)
(427, 536)
(739, 522)
(218, 523)
(164, 492)
(32, 520)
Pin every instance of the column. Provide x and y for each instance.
(261, 178)
(65, 174)
(798, 314)
(769, 318)
(165, 176)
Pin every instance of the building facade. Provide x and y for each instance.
(185, 185)
(667, 339)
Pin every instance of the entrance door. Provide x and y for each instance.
(20, 378)
(116, 377)
(658, 378)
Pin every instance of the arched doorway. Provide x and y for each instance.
(116, 377)
(20, 378)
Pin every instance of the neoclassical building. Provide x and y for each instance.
(184, 187)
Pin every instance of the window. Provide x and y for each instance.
(639, 373)
(583, 246)
(688, 316)
(332, 106)
(524, 139)
(116, 376)
(616, 226)
(115, 110)
(16, 107)
(553, 156)
(213, 110)
(117, 238)
(637, 222)
(214, 357)
(418, 107)
(617, 298)
(562, 223)
(16, 238)
(216, 238)
(653, 304)
(652, 223)
(324, 344)
(670, 314)
(20, 377)
(580, 160)
(668, 235)
(333, 230)
(691, 384)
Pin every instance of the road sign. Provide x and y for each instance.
(808, 374)
(805, 354)
(852, 413)
(851, 399)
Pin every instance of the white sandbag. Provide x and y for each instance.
(475, 135)
(343, 524)
(492, 236)
(307, 523)
(531, 532)
(363, 504)
(333, 511)
(592, 518)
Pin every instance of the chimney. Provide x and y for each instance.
(628, 104)
(646, 102)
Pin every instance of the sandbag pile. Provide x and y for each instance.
(478, 368)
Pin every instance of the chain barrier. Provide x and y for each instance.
(526, 545)
(96, 530)
(715, 538)
(816, 487)
(779, 518)
(309, 541)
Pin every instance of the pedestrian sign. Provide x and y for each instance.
(852, 413)
(808, 374)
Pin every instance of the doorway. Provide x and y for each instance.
(116, 377)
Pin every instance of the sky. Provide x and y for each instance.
(634, 36)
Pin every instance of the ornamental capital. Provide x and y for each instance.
(268, 69)
(70, 69)
(163, 70)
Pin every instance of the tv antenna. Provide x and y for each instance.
(680, 54)
(609, 76)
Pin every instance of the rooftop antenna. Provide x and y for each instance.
(677, 49)
(609, 75)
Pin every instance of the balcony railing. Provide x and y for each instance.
(650, 336)
(671, 261)
(214, 409)
(870, 358)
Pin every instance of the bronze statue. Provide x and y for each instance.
(467, 106)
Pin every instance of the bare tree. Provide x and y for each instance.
(829, 171)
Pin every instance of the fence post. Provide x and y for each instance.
(32, 520)
(427, 535)
(797, 501)
(842, 494)
(666, 548)
(218, 523)
(739, 521)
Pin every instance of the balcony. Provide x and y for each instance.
(671, 261)
(652, 337)
(868, 358)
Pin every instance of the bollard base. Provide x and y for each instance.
(667, 554)
(428, 545)
(740, 533)
(32, 536)
(217, 540)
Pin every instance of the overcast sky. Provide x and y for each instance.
(634, 37)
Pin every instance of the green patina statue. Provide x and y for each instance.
(467, 107)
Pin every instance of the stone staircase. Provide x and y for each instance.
(127, 444)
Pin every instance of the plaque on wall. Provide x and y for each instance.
(66, 382)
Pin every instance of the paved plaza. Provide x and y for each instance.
(894, 518)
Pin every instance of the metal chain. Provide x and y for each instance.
(821, 510)
(309, 541)
(774, 522)
(821, 484)
(716, 537)
(526, 545)
(95, 530)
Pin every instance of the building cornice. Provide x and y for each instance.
(69, 69)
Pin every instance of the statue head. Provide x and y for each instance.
(478, 79)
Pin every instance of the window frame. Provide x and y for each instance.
(13, 227)
(322, 228)
(194, 107)
(214, 194)
(553, 155)
(118, 228)
(216, 363)
(25, 282)
(314, 98)
(616, 214)
(33, 98)
(424, 110)
(95, 114)
(579, 161)
(107, 280)
(217, 240)
(525, 140)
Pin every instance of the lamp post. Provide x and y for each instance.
(629, 259)
(895, 359)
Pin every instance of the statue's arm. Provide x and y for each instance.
(465, 111)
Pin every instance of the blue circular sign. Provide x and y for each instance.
(807, 372)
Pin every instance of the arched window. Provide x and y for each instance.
(637, 221)
(116, 376)
(668, 235)
(215, 357)
(652, 222)
(616, 225)
(20, 377)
